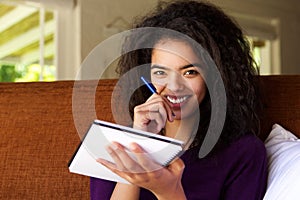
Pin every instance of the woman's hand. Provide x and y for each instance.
(152, 115)
(164, 182)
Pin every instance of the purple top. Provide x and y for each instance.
(238, 171)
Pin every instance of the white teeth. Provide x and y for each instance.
(179, 100)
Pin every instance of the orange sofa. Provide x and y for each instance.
(38, 135)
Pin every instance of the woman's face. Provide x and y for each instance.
(175, 66)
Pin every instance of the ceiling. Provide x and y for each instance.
(20, 34)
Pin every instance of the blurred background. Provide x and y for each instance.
(47, 40)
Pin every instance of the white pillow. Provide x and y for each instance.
(283, 151)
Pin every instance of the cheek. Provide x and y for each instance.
(200, 92)
(158, 82)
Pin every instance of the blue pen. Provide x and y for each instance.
(149, 85)
(153, 90)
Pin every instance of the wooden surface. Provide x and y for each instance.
(39, 130)
(281, 97)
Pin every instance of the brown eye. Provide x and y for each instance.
(191, 72)
(159, 73)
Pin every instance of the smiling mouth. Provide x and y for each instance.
(177, 100)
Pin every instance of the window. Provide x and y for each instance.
(261, 50)
(264, 39)
(27, 47)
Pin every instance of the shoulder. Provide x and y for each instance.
(246, 142)
(244, 150)
(245, 147)
(249, 144)
(245, 163)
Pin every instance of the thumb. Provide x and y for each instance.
(177, 166)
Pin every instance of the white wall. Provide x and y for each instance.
(287, 15)
(96, 14)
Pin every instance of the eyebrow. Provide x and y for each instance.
(183, 67)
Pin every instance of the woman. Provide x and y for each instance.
(236, 167)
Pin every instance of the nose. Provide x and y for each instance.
(175, 82)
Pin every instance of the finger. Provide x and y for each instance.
(171, 114)
(149, 121)
(167, 105)
(159, 108)
(155, 122)
(165, 109)
(112, 150)
(144, 159)
(125, 161)
(157, 98)
(177, 166)
(106, 163)
(161, 89)
(145, 116)
(158, 105)
(112, 167)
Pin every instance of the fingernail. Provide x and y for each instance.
(100, 160)
(108, 149)
(133, 146)
(114, 146)
(173, 114)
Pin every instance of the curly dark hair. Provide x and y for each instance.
(222, 38)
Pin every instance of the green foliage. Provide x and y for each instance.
(30, 73)
(8, 73)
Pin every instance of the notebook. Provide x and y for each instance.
(101, 133)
